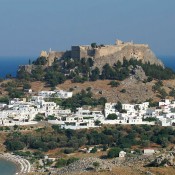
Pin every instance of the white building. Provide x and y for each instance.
(122, 154)
(148, 151)
(110, 109)
(164, 102)
(55, 94)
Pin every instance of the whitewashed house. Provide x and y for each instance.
(122, 154)
(46, 94)
(63, 94)
(110, 109)
(148, 151)
(164, 102)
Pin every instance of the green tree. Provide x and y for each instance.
(114, 84)
(118, 106)
(97, 123)
(13, 145)
(90, 62)
(38, 73)
(113, 152)
(23, 74)
(38, 117)
(54, 78)
(93, 45)
(61, 163)
(40, 61)
(29, 62)
(26, 86)
(123, 91)
(163, 93)
(96, 165)
(95, 74)
(94, 150)
(172, 93)
(112, 117)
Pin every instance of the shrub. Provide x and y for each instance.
(38, 118)
(94, 150)
(72, 160)
(13, 145)
(123, 91)
(112, 117)
(150, 119)
(93, 45)
(68, 150)
(113, 152)
(114, 84)
(97, 123)
(61, 163)
(26, 86)
(96, 164)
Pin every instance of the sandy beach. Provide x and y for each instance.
(23, 165)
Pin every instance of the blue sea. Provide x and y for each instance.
(7, 167)
(9, 65)
(168, 61)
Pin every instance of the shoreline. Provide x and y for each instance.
(23, 166)
(18, 167)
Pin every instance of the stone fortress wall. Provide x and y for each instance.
(105, 50)
(106, 53)
(52, 55)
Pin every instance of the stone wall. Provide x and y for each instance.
(106, 50)
(82, 52)
(120, 49)
(107, 54)
(52, 55)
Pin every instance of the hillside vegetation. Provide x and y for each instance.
(81, 70)
(129, 81)
(122, 137)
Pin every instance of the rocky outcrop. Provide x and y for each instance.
(28, 68)
(93, 164)
(166, 159)
(84, 165)
(51, 56)
(139, 52)
(138, 73)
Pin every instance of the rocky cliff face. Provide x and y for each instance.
(143, 53)
(166, 159)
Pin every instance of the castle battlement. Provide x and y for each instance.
(114, 52)
(86, 51)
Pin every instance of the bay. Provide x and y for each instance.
(7, 167)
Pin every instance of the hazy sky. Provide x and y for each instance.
(29, 26)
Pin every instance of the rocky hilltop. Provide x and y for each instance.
(122, 72)
(139, 52)
(103, 54)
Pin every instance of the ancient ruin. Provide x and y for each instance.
(103, 54)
